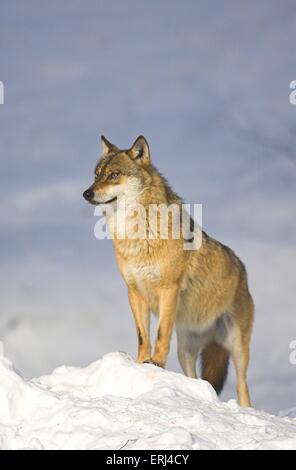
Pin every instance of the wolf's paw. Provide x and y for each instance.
(143, 361)
(150, 361)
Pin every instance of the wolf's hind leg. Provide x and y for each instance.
(188, 349)
(240, 356)
(239, 344)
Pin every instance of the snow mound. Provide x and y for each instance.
(290, 413)
(115, 403)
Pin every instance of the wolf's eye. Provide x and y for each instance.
(113, 176)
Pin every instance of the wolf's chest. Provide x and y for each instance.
(140, 273)
(145, 277)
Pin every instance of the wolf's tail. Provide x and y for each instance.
(214, 365)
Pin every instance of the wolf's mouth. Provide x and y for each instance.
(96, 203)
(110, 200)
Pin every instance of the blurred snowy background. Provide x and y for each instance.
(207, 82)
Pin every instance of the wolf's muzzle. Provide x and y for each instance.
(88, 194)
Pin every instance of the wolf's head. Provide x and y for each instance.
(120, 172)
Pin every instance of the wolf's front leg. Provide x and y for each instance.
(141, 313)
(167, 313)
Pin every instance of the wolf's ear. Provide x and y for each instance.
(140, 152)
(107, 146)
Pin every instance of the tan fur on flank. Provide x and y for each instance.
(203, 293)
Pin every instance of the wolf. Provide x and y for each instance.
(202, 293)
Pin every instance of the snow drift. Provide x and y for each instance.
(115, 403)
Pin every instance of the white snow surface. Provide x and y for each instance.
(115, 403)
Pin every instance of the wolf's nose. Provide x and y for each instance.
(88, 194)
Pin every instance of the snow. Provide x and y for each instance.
(115, 403)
